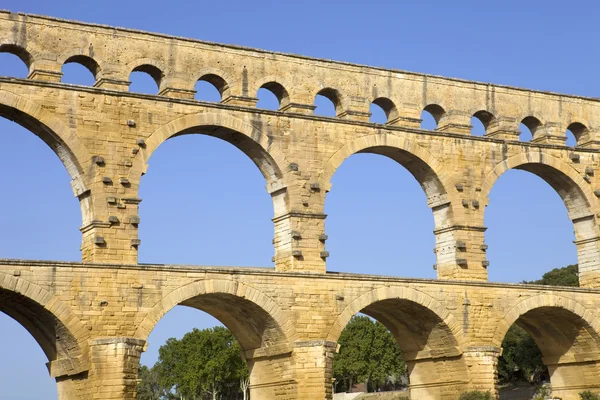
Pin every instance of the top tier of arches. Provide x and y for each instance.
(238, 74)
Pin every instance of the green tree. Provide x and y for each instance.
(149, 387)
(203, 362)
(368, 353)
(566, 276)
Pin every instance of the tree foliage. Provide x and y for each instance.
(203, 364)
(368, 353)
(566, 276)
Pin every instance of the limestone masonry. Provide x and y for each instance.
(93, 318)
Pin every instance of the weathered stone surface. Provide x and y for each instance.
(92, 319)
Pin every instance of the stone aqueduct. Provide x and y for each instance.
(92, 318)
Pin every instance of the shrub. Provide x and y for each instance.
(587, 395)
(476, 395)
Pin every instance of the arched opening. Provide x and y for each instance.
(145, 79)
(23, 374)
(46, 332)
(529, 127)
(382, 110)
(328, 103)
(563, 347)
(540, 228)
(363, 219)
(272, 96)
(264, 352)
(80, 70)
(430, 116)
(211, 88)
(44, 215)
(219, 212)
(576, 133)
(14, 61)
(428, 346)
(480, 121)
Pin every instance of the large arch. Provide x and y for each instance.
(429, 336)
(62, 140)
(262, 328)
(577, 195)
(428, 172)
(58, 331)
(252, 141)
(418, 161)
(567, 334)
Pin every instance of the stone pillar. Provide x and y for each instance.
(503, 128)
(271, 373)
(46, 70)
(461, 253)
(314, 369)
(435, 378)
(300, 242)
(569, 377)
(550, 133)
(71, 376)
(177, 85)
(587, 242)
(455, 122)
(482, 365)
(114, 368)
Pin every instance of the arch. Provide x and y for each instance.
(541, 301)
(278, 90)
(436, 111)
(253, 142)
(58, 331)
(428, 335)
(567, 182)
(255, 319)
(63, 141)
(486, 118)
(216, 79)
(534, 125)
(18, 51)
(87, 62)
(151, 67)
(334, 96)
(408, 294)
(579, 131)
(388, 107)
(419, 162)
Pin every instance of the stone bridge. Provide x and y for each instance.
(92, 319)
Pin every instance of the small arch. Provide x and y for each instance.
(529, 127)
(324, 107)
(18, 51)
(431, 116)
(204, 84)
(78, 75)
(275, 89)
(578, 133)
(154, 72)
(387, 107)
(480, 122)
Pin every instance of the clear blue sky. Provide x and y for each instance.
(387, 229)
